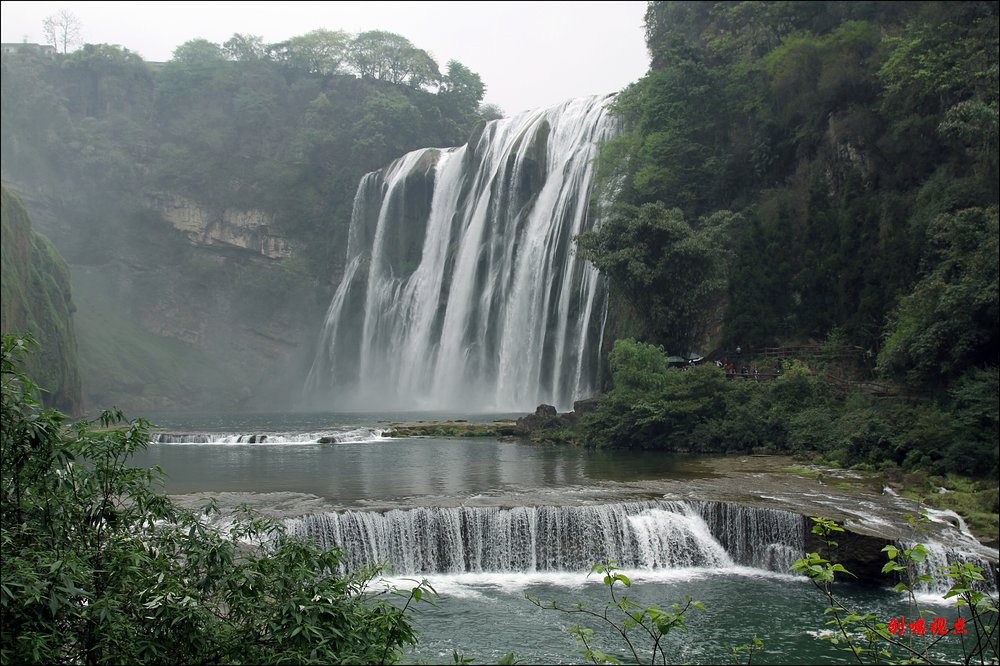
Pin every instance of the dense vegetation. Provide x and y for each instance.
(808, 173)
(100, 567)
(288, 128)
(788, 172)
(100, 145)
(35, 297)
(849, 137)
(949, 442)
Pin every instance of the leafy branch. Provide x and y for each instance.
(869, 640)
(632, 621)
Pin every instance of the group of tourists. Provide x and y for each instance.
(748, 371)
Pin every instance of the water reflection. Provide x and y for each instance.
(349, 473)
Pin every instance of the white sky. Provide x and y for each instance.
(529, 54)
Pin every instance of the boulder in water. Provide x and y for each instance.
(545, 416)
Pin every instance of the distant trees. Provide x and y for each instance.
(463, 87)
(317, 52)
(245, 48)
(377, 55)
(285, 127)
(386, 56)
(490, 111)
(197, 52)
(62, 30)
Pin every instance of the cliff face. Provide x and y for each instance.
(245, 229)
(182, 308)
(36, 299)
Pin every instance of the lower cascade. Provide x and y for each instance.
(637, 535)
(461, 289)
(937, 558)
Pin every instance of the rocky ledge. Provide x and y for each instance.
(456, 428)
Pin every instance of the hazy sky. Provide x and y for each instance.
(529, 54)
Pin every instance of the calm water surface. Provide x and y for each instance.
(359, 472)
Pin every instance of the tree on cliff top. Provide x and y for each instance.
(62, 30)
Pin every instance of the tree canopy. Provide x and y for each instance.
(845, 135)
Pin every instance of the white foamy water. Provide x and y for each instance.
(461, 287)
(475, 585)
(652, 535)
(354, 435)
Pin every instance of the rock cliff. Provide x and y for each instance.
(36, 299)
(180, 307)
(245, 229)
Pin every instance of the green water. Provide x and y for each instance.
(485, 616)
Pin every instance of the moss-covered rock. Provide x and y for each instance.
(454, 429)
(36, 299)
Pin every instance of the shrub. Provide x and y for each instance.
(97, 567)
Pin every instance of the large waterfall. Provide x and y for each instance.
(647, 535)
(461, 288)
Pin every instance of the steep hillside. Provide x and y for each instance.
(202, 204)
(794, 172)
(36, 299)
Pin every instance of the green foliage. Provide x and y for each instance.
(651, 406)
(386, 56)
(642, 628)
(667, 269)
(698, 409)
(736, 653)
(636, 366)
(197, 53)
(100, 568)
(464, 88)
(948, 322)
(245, 48)
(234, 125)
(856, 144)
(35, 297)
(111, 144)
(490, 112)
(837, 130)
(869, 641)
(318, 52)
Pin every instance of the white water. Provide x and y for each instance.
(655, 535)
(461, 287)
(353, 435)
(938, 557)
